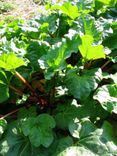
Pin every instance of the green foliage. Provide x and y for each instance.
(10, 61)
(80, 86)
(58, 81)
(88, 51)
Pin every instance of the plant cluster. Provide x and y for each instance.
(58, 81)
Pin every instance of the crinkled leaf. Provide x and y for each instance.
(107, 97)
(68, 9)
(54, 60)
(81, 129)
(89, 51)
(73, 41)
(91, 27)
(10, 61)
(64, 114)
(25, 113)
(35, 50)
(14, 142)
(81, 86)
(98, 141)
(102, 141)
(39, 129)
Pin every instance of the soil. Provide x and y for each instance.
(22, 8)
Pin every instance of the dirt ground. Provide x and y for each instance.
(23, 8)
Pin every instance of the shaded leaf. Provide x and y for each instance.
(39, 129)
(81, 86)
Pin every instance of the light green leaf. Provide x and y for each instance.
(10, 61)
(89, 51)
(81, 86)
(68, 9)
(107, 97)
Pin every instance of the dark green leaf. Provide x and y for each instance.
(81, 86)
(39, 129)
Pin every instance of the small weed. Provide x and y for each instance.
(6, 6)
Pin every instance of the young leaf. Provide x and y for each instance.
(68, 9)
(10, 61)
(89, 51)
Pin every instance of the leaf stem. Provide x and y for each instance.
(105, 64)
(25, 82)
(17, 90)
(8, 114)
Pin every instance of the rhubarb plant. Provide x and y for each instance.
(58, 81)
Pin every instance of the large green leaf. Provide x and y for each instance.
(89, 51)
(55, 60)
(14, 142)
(101, 141)
(68, 9)
(39, 129)
(81, 86)
(64, 114)
(107, 97)
(10, 61)
(81, 129)
(98, 141)
(35, 50)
